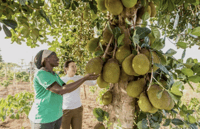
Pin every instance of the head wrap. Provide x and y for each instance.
(39, 58)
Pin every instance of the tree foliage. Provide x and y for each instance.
(72, 23)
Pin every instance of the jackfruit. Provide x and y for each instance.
(153, 9)
(127, 65)
(162, 103)
(148, 9)
(114, 6)
(94, 66)
(122, 53)
(140, 64)
(135, 88)
(144, 103)
(92, 44)
(129, 3)
(101, 83)
(111, 71)
(107, 34)
(171, 104)
(107, 98)
(99, 126)
(153, 110)
(156, 59)
(101, 5)
(123, 76)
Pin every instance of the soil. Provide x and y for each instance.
(88, 99)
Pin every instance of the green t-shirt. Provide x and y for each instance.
(47, 106)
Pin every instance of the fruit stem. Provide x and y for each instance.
(151, 69)
(115, 49)
(104, 55)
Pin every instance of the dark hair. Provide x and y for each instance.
(66, 64)
(38, 59)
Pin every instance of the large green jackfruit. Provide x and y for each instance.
(153, 110)
(153, 9)
(107, 98)
(122, 53)
(144, 103)
(135, 88)
(101, 5)
(94, 66)
(114, 6)
(107, 34)
(92, 44)
(160, 103)
(99, 126)
(129, 3)
(123, 76)
(127, 65)
(151, 38)
(101, 83)
(111, 71)
(140, 64)
(156, 58)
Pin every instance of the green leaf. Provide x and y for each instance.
(187, 71)
(128, 22)
(182, 45)
(145, 16)
(177, 122)
(142, 32)
(183, 54)
(167, 122)
(189, 65)
(0, 28)
(158, 44)
(196, 31)
(162, 68)
(156, 32)
(93, 6)
(170, 52)
(116, 32)
(67, 3)
(10, 23)
(22, 2)
(142, 124)
(174, 97)
(120, 40)
(100, 119)
(155, 125)
(136, 39)
(177, 88)
(144, 2)
(194, 79)
(190, 85)
(7, 31)
(98, 112)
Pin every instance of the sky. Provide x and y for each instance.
(15, 53)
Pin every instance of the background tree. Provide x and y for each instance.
(83, 30)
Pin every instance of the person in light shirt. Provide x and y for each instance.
(72, 107)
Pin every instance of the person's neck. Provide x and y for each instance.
(69, 75)
(48, 69)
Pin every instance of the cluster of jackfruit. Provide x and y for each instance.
(115, 7)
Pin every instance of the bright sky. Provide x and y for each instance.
(15, 53)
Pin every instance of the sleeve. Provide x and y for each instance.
(45, 79)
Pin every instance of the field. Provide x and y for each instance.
(88, 100)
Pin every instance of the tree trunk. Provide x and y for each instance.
(121, 110)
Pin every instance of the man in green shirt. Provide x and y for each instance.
(46, 111)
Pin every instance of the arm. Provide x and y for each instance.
(56, 88)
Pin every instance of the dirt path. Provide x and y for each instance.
(89, 103)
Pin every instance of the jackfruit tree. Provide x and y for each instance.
(122, 40)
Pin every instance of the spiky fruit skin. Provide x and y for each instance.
(114, 6)
(107, 98)
(101, 5)
(94, 66)
(163, 102)
(106, 35)
(127, 65)
(153, 110)
(129, 3)
(144, 103)
(153, 9)
(122, 53)
(171, 105)
(148, 9)
(111, 71)
(99, 126)
(123, 76)
(135, 88)
(101, 83)
(92, 44)
(156, 59)
(140, 64)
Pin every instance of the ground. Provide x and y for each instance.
(88, 100)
